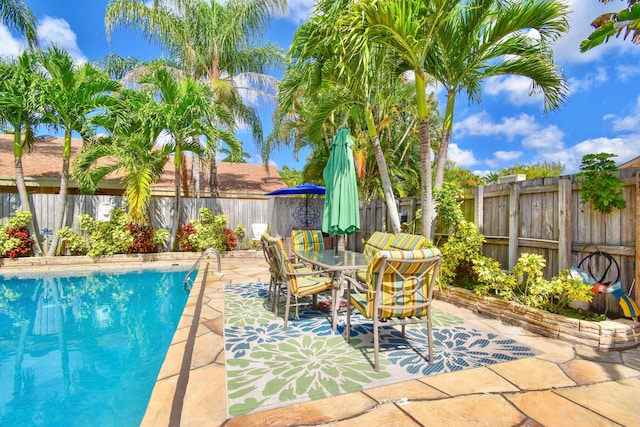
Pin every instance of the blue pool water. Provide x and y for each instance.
(85, 350)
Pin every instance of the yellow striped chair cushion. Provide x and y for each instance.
(300, 286)
(377, 241)
(399, 283)
(307, 239)
(408, 242)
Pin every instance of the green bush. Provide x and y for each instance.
(208, 231)
(116, 236)
(15, 240)
(462, 247)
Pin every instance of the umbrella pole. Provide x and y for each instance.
(336, 245)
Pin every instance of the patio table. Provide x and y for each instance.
(338, 263)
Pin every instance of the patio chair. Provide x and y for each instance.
(276, 287)
(398, 291)
(299, 283)
(307, 239)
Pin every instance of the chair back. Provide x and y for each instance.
(307, 240)
(258, 229)
(268, 252)
(285, 269)
(401, 283)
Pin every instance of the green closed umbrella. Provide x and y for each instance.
(341, 206)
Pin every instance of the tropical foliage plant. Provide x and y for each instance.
(600, 186)
(208, 231)
(116, 236)
(16, 15)
(15, 240)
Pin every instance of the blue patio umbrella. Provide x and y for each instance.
(341, 205)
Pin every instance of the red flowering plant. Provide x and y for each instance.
(15, 240)
(230, 238)
(145, 238)
(183, 237)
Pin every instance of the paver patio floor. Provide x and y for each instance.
(566, 384)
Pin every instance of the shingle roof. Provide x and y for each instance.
(42, 170)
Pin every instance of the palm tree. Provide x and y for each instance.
(368, 90)
(407, 28)
(19, 83)
(71, 94)
(486, 38)
(211, 41)
(614, 24)
(133, 128)
(16, 15)
(186, 109)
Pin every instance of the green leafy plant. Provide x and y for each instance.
(462, 247)
(15, 240)
(116, 236)
(600, 186)
(208, 231)
(527, 285)
(73, 242)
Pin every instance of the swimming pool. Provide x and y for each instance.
(86, 349)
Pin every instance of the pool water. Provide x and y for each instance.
(85, 350)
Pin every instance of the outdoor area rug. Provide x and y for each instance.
(268, 367)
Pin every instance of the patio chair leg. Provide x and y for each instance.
(348, 325)
(430, 338)
(286, 310)
(376, 343)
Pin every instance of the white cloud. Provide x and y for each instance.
(548, 138)
(627, 72)
(299, 10)
(627, 123)
(481, 124)
(583, 12)
(10, 47)
(507, 156)
(462, 158)
(57, 31)
(592, 79)
(516, 88)
(624, 147)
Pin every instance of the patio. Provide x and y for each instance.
(565, 384)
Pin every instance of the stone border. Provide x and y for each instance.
(606, 335)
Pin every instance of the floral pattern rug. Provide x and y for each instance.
(268, 367)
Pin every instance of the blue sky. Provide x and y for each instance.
(601, 113)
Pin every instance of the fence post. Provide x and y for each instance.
(478, 208)
(514, 223)
(564, 222)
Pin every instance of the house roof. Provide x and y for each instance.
(631, 163)
(42, 169)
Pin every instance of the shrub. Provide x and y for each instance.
(463, 246)
(73, 242)
(207, 232)
(183, 237)
(145, 238)
(116, 236)
(230, 238)
(15, 239)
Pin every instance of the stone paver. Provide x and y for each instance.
(479, 380)
(551, 410)
(475, 410)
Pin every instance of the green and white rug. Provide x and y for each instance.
(268, 367)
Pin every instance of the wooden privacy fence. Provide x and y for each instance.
(542, 216)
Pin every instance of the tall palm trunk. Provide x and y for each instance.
(213, 175)
(177, 203)
(425, 156)
(392, 207)
(25, 204)
(61, 202)
(426, 191)
(447, 127)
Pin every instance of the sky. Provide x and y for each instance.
(508, 126)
